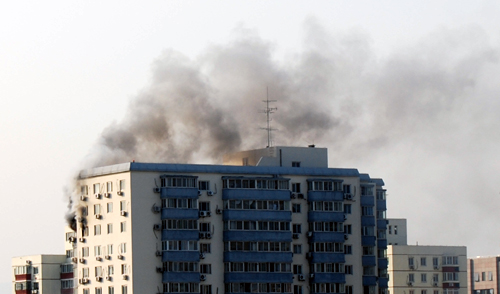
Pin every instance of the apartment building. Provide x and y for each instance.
(417, 269)
(483, 275)
(39, 274)
(273, 220)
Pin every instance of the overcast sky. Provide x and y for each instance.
(403, 91)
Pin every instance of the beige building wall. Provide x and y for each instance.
(396, 231)
(413, 269)
(483, 274)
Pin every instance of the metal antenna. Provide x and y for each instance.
(268, 111)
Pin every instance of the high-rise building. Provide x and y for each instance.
(483, 275)
(415, 269)
(276, 220)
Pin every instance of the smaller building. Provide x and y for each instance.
(396, 231)
(483, 275)
(417, 269)
(39, 274)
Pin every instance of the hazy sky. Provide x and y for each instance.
(404, 91)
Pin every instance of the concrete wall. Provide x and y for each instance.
(396, 231)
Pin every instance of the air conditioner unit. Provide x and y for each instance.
(82, 260)
(83, 198)
(107, 257)
(98, 216)
(98, 258)
(159, 270)
(85, 280)
(346, 236)
(309, 234)
(125, 277)
(218, 211)
(311, 276)
(120, 256)
(158, 253)
(203, 213)
(348, 196)
(120, 193)
(410, 284)
(156, 209)
(157, 190)
(302, 278)
(108, 278)
(436, 267)
(202, 255)
(412, 267)
(97, 196)
(209, 213)
(435, 284)
(80, 281)
(345, 216)
(199, 192)
(210, 193)
(72, 239)
(98, 279)
(123, 213)
(202, 235)
(82, 240)
(157, 227)
(300, 196)
(203, 277)
(293, 196)
(107, 195)
(209, 235)
(74, 259)
(34, 291)
(295, 236)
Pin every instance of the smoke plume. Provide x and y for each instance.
(423, 117)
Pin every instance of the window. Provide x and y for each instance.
(490, 276)
(124, 289)
(297, 228)
(205, 227)
(122, 248)
(296, 187)
(435, 278)
(123, 227)
(203, 185)
(110, 249)
(244, 161)
(348, 208)
(483, 276)
(109, 187)
(395, 230)
(85, 251)
(123, 205)
(205, 268)
(110, 207)
(381, 214)
(297, 269)
(423, 261)
(85, 190)
(348, 269)
(204, 206)
(124, 269)
(85, 231)
(295, 163)
(180, 224)
(111, 270)
(411, 278)
(86, 291)
(97, 250)
(435, 262)
(367, 211)
(111, 290)
(65, 268)
(368, 231)
(368, 250)
(296, 207)
(450, 260)
(452, 276)
(206, 289)
(178, 181)
(348, 290)
(423, 278)
(297, 289)
(97, 230)
(98, 271)
(297, 248)
(85, 272)
(98, 290)
(423, 291)
(411, 262)
(97, 188)
(179, 203)
(177, 245)
(122, 185)
(110, 228)
(97, 209)
(205, 248)
(348, 229)
(348, 249)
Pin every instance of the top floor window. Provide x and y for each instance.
(178, 181)
(255, 183)
(203, 185)
(367, 190)
(450, 260)
(295, 163)
(84, 189)
(22, 270)
(380, 194)
(324, 185)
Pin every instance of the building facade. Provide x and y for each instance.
(396, 231)
(39, 274)
(483, 277)
(276, 220)
(427, 269)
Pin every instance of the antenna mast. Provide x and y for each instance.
(268, 111)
